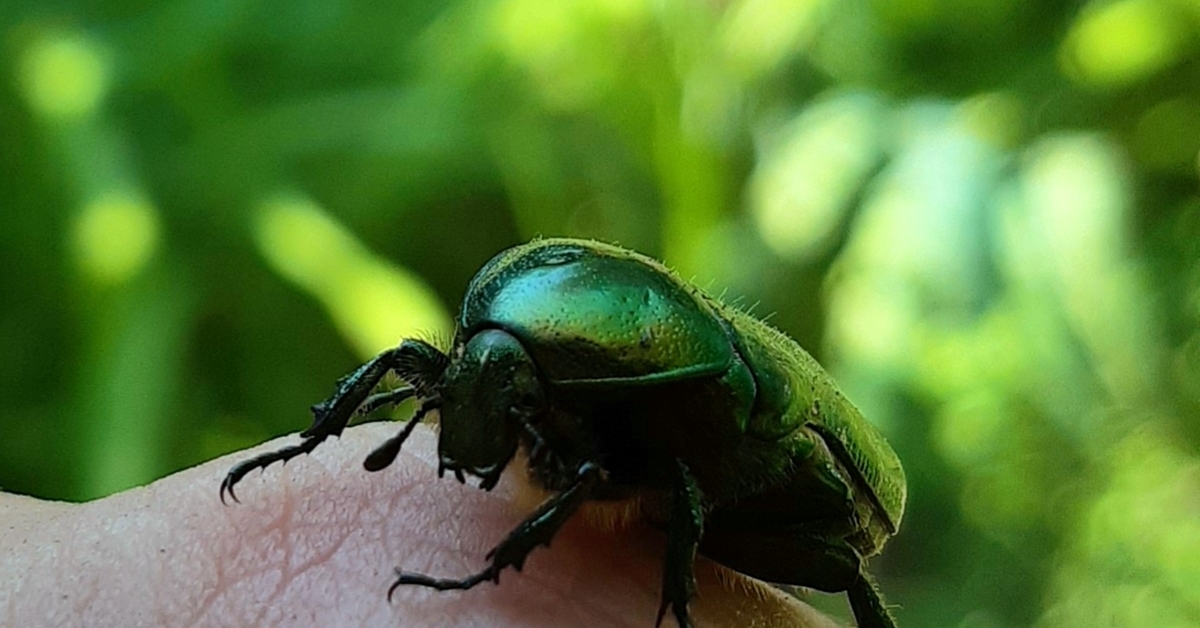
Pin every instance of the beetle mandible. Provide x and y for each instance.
(620, 380)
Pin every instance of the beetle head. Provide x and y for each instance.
(489, 389)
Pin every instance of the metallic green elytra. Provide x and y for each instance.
(620, 380)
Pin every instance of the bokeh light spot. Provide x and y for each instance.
(1079, 199)
(570, 48)
(804, 185)
(1144, 527)
(758, 34)
(63, 77)
(374, 303)
(1121, 42)
(114, 236)
(869, 322)
(535, 32)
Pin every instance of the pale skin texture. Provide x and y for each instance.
(314, 543)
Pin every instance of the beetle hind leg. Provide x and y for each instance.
(683, 535)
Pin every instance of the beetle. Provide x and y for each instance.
(621, 381)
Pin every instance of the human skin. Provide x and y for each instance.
(314, 543)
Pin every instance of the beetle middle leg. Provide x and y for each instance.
(537, 529)
(683, 535)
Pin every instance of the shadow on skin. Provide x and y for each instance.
(314, 543)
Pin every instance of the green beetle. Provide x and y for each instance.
(622, 381)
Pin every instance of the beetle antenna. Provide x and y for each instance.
(386, 453)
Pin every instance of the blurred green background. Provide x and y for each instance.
(983, 216)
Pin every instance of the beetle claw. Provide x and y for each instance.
(672, 371)
(227, 487)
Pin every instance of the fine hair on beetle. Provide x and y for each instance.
(629, 390)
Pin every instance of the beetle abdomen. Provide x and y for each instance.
(598, 315)
(793, 391)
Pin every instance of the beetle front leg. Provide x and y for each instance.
(329, 419)
(684, 528)
(353, 395)
(413, 359)
(262, 461)
(388, 398)
(537, 529)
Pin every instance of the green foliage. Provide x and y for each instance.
(983, 217)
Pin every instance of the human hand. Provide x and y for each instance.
(314, 543)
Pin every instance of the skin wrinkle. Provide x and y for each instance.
(468, 543)
(276, 534)
(321, 518)
(357, 526)
(293, 572)
(243, 524)
(283, 530)
(393, 502)
(343, 530)
(208, 600)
